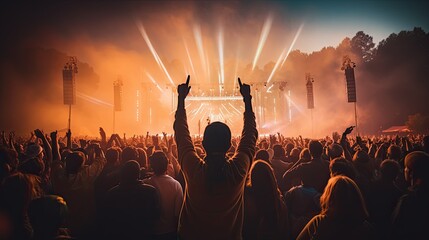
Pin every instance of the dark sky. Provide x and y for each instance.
(328, 21)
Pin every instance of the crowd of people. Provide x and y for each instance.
(215, 187)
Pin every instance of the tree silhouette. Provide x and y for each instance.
(363, 46)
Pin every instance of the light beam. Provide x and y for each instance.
(153, 51)
(262, 38)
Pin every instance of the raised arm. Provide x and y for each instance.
(56, 156)
(181, 130)
(249, 134)
(46, 146)
(345, 144)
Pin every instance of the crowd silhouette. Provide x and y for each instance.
(215, 187)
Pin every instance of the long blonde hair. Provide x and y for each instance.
(343, 200)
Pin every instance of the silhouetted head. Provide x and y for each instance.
(417, 168)
(217, 138)
(17, 192)
(335, 150)
(394, 152)
(129, 153)
(74, 162)
(47, 214)
(294, 155)
(279, 151)
(112, 156)
(262, 155)
(341, 166)
(305, 154)
(363, 164)
(130, 172)
(289, 148)
(389, 169)
(158, 162)
(316, 148)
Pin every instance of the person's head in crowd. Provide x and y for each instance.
(389, 170)
(305, 154)
(342, 200)
(417, 168)
(279, 151)
(64, 152)
(32, 162)
(217, 138)
(17, 192)
(262, 155)
(74, 162)
(289, 148)
(112, 156)
(47, 215)
(316, 149)
(142, 158)
(129, 153)
(263, 181)
(216, 142)
(159, 163)
(294, 155)
(334, 151)
(130, 172)
(341, 166)
(394, 152)
(363, 164)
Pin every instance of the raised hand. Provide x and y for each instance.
(39, 133)
(348, 130)
(244, 89)
(54, 135)
(184, 88)
(155, 140)
(68, 133)
(102, 133)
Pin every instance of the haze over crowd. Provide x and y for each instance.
(108, 44)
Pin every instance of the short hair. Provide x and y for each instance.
(289, 147)
(394, 152)
(335, 150)
(74, 161)
(262, 155)
(217, 138)
(158, 162)
(47, 214)
(316, 148)
(279, 151)
(341, 166)
(389, 169)
(129, 153)
(130, 171)
(305, 154)
(112, 155)
(418, 163)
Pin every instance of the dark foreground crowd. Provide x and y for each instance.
(217, 187)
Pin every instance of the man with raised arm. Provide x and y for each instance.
(213, 205)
